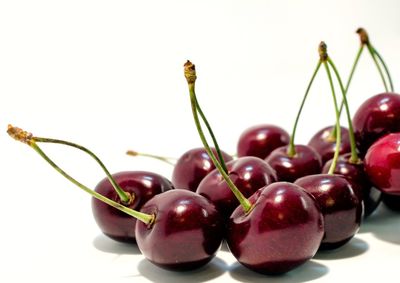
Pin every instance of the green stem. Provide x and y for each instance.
(169, 160)
(385, 67)
(210, 131)
(338, 136)
(348, 82)
(125, 198)
(354, 156)
(291, 148)
(146, 218)
(371, 51)
(241, 198)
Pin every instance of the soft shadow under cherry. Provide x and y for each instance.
(309, 271)
(354, 248)
(206, 273)
(107, 245)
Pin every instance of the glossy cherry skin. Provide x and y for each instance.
(142, 186)
(186, 234)
(306, 162)
(247, 173)
(260, 140)
(192, 167)
(355, 174)
(282, 231)
(382, 164)
(376, 117)
(322, 142)
(391, 201)
(342, 209)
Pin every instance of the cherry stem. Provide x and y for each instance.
(291, 151)
(190, 75)
(371, 51)
(124, 196)
(169, 160)
(385, 67)
(333, 133)
(354, 156)
(27, 138)
(210, 131)
(338, 130)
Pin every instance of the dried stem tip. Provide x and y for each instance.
(190, 72)
(322, 50)
(19, 134)
(364, 39)
(132, 153)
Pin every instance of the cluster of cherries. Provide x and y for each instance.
(276, 204)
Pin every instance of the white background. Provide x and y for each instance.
(108, 75)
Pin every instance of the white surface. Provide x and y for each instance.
(108, 75)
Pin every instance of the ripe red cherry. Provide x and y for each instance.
(355, 174)
(306, 162)
(142, 186)
(376, 117)
(186, 234)
(282, 231)
(325, 144)
(339, 204)
(248, 174)
(382, 164)
(192, 167)
(260, 140)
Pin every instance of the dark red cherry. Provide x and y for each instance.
(376, 117)
(248, 174)
(391, 201)
(355, 174)
(382, 164)
(305, 162)
(186, 234)
(339, 204)
(282, 231)
(142, 186)
(260, 140)
(192, 167)
(325, 144)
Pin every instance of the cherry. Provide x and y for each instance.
(283, 229)
(260, 140)
(339, 204)
(186, 234)
(269, 246)
(140, 184)
(341, 207)
(376, 117)
(288, 168)
(182, 230)
(247, 173)
(355, 174)
(324, 142)
(192, 167)
(382, 164)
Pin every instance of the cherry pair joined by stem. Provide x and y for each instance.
(173, 223)
(263, 231)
